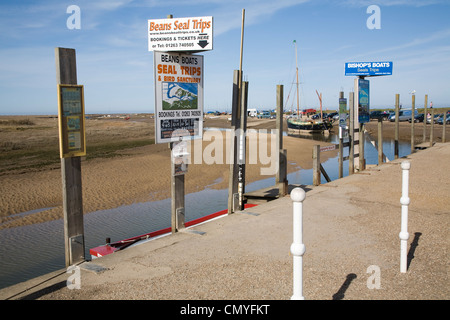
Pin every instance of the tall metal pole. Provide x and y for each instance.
(296, 68)
(240, 66)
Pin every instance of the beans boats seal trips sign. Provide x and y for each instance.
(181, 34)
(178, 96)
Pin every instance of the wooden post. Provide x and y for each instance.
(432, 127)
(341, 157)
(396, 133)
(341, 141)
(351, 151)
(281, 176)
(380, 141)
(233, 195)
(362, 160)
(316, 165)
(242, 144)
(425, 119)
(413, 118)
(66, 73)
(177, 190)
(443, 126)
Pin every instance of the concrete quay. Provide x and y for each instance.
(349, 226)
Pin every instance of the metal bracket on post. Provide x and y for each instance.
(76, 249)
(180, 218)
(236, 202)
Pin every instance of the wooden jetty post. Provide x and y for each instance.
(66, 73)
(432, 127)
(351, 135)
(396, 132)
(380, 141)
(176, 189)
(233, 195)
(242, 144)
(341, 158)
(233, 185)
(341, 140)
(362, 160)
(444, 126)
(316, 165)
(281, 176)
(413, 118)
(425, 119)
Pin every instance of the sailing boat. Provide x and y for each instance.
(305, 124)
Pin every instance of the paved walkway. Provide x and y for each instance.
(350, 225)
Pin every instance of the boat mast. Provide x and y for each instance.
(296, 67)
(320, 100)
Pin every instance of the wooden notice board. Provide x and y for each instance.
(72, 137)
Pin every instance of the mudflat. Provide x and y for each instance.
(122, 166)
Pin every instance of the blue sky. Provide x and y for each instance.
(116, 68)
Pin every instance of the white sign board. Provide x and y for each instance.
(328, 148)
(178, 96)
(180, 34)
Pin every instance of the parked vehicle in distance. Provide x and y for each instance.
(337, 116)
(441, 119)
(330, 116)
(436, 117)
(252, 112)
(418, 118)
(403, 115)
(377, 114)
(265, 115)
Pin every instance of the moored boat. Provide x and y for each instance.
(303, 123)
(308, 125)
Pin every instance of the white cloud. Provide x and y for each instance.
(389, 3)
(436, 36)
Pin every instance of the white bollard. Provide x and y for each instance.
(404, 200)
(297, 247)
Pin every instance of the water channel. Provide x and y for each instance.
(30, 251)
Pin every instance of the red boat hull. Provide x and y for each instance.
(109, 248)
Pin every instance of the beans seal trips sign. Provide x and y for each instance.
(181, 34)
